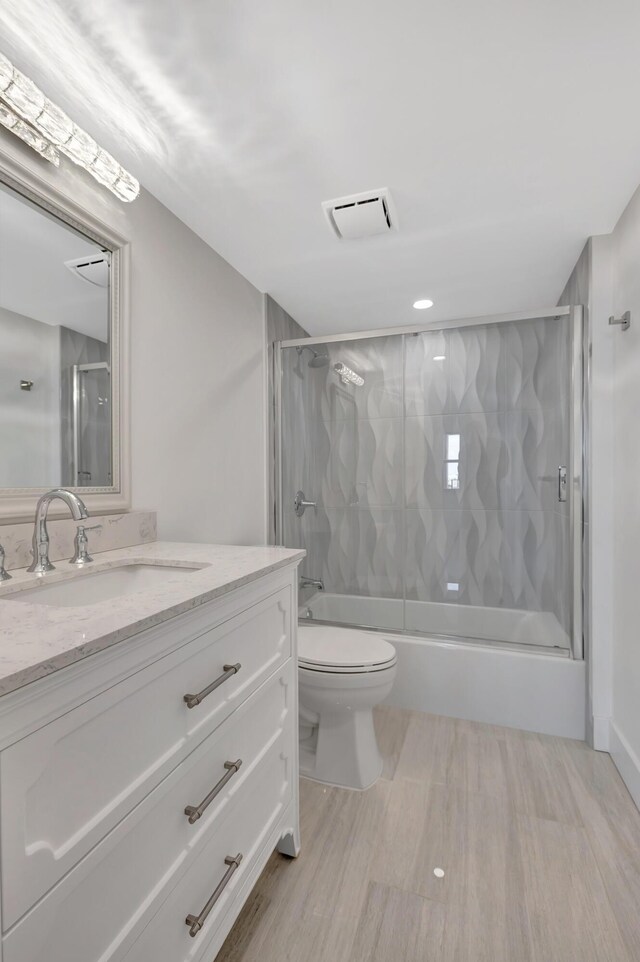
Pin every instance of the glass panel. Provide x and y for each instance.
(342, 445)
(487, 549)
(432, 461)
(93, 427)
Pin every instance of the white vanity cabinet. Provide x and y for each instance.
(99, 860)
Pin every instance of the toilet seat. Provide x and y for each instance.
(330, 650)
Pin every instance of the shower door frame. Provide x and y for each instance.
(76, 370)
(577, 439)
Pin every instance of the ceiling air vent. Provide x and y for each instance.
(93, 269)
(361, 215)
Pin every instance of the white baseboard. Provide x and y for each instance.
(527, 690)
(626, 761)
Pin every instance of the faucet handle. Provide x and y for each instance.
(300, 504)
(4, 575)
(81, 554)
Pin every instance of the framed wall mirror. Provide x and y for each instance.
(62, 354)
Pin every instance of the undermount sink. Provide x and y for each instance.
(96, 586)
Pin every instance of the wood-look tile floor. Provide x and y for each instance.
(537, 836)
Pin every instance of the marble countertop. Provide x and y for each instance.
(37, 639)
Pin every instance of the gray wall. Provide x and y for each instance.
(198, 369)
(199, 446)
(29, 420)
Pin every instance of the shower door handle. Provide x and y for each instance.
(562, 483)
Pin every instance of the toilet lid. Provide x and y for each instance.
(342, 649)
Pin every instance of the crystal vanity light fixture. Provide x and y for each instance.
(347, 376)
(13, 123)
(26, 112)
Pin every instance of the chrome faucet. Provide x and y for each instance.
(78, 510)
(311, 583)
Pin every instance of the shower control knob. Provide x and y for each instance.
(300, 504)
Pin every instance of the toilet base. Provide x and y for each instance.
(338, 743)
(346, 753)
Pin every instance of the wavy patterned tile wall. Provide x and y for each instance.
(375, 458)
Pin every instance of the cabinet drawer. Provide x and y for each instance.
(65, 786)
(167, 936)
(95, 912)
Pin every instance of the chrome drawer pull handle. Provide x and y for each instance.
(227, 672)
(197, 921)
(194, 812)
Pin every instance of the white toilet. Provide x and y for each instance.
(343, 673)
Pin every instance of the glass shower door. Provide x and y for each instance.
(342, 446)
(92, 425)
(489, 487)
(443, 471)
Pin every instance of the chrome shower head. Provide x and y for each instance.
(318, 360)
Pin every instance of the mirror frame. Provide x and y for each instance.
(19, 504)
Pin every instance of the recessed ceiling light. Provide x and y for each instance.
(439, 357)
(423, 304)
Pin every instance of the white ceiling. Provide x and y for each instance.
(507, 132)
(33, 278)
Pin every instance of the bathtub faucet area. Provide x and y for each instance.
(311, 583)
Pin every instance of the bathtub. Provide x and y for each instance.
(481, 677)
(492, 625)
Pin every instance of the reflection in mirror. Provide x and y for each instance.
(55, 365)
